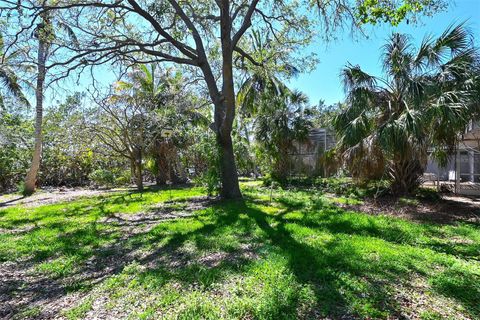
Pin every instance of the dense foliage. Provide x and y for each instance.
(425, 100)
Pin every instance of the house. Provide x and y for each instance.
(462, 172)
(306, 156)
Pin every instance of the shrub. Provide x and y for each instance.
(122, 178)
(102, 177)
(21, 188)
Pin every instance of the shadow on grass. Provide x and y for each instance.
(228, 239)
(5, 203)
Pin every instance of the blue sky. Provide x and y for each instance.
(324, 82)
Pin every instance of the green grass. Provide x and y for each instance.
(80, 310)
(298, 256)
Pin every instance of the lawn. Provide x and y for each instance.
(176, 254)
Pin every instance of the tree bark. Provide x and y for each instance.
(132, 169)
(138, 170)
(161, 175)
(225, 111)
(406, 174)
(181, 175)
(229, 176)
(31, 178)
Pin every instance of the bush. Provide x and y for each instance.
(210, 180)
(209, 175)
(340, 186)
(122, 178)
(21, 188)
(102, 177)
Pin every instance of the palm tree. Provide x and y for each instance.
(258, 84)
(43, 34)
(159, 97)
(424, 100)
(262, 79)
(280, 122)
(266, 105)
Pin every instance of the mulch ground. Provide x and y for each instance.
(449, 209)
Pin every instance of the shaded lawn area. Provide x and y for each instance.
(175, 254)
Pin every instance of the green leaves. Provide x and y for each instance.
(394, 12)
(425, 100)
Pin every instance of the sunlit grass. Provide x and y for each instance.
(292, 255)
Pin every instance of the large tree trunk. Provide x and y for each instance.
(161, 164)
(225, 111)
(181, 175)
(161, 174)
(176, 171)
(229, 176)
(31, 178)
(224, 103)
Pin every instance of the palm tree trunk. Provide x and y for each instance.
(31, 178)
(406, 174)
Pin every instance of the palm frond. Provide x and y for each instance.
(354, 77)
(423, 56)
(453, 40)
(70, 33)
(10, 82)
(397, 58)
(455, 37)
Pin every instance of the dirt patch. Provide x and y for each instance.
(51, 196)
(135, 223)
(22, 291)
(214, 259)
(447, 210)
(416, 300)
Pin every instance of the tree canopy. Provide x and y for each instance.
(425, 99)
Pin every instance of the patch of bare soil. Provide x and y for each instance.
(26, 294)
(448, 210)
(132, 224)
(412, 299)
(50, 196)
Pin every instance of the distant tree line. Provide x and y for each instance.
(200, 91)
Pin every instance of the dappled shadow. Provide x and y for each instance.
(101, 248)
(320, 268)
(158, 240)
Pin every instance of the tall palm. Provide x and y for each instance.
(424, 100)
(263, 97)
(43, 34)
(258, 84)
(262, 79)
